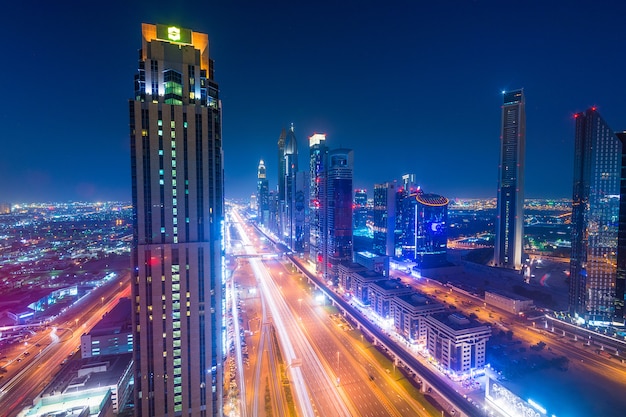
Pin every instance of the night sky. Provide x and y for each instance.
(411, 86)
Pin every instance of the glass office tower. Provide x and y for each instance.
(178, 200)
(510, 215)
(339, 209)
(595, 219)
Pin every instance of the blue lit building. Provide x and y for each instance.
(510, 214)
(360, 209)
(287, 207)
(384, 218)
(425, 230)
(318, 159)
(263, 195)
(620, 281)
(339, 209)
(595, 219)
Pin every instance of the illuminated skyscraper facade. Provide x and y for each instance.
(290, 160)
(384, 218)
(425, 237)
(318, 159)
(263, 195)
(281, 227)
(360, 209)
(510, 215)
(339, 209)
(595, 219)
(177, 190)
(620, 281)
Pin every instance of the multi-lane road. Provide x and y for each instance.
(50, 347)
(340, 376)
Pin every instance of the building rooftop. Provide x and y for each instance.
(351, 266)
(508, 294)
(369, 275)
(457, 321)
(115, 321)
(89, 373)
(391, 284)
(431, 199)
(416, 299)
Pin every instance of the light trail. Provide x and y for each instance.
(237, 337)
(289, 335)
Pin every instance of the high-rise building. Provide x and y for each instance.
(510, 214)
(425, 236)
(405, 214)
(290, 159)
(339, 209)
(360, 209)
(300, 222)
(280, 228)
(595, 219)
(263, 195)
(384, 218)
(318, 157)
(620, 281)
(177, 190)
(281, 164)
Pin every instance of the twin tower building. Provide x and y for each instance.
(598, 223)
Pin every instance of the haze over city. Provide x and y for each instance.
(410, 86)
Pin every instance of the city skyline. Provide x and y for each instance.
(423, 74)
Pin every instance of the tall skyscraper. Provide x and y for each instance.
(339, 209)
(620, 281)
(405, 215)
(290, 160)
(425, 234)
(263, 195)
(281, 164)
(318, 157)
(300, 223)
(280, 230)
(384, 218)
(360, 209)
(595, 218)
(510, 218)
(177, 190)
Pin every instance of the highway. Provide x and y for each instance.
(24, 380)
(367, 388)
(276, 307)
(342, 375)
(434, 380)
